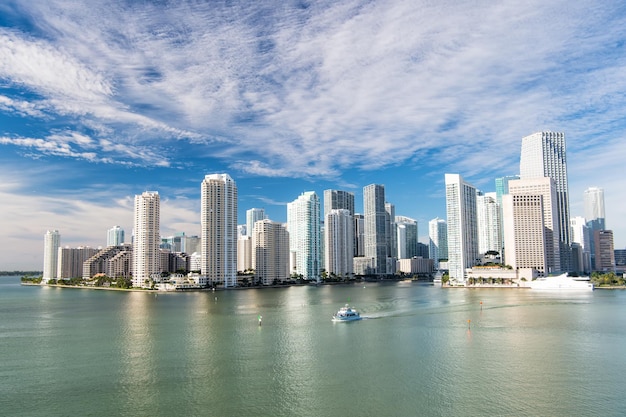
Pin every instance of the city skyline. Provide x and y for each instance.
(99, 103)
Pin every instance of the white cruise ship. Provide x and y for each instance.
(562, 282)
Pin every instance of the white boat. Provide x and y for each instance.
(347, 313)
(562, 282)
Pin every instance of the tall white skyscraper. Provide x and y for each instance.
(406, 233)
(438, 240)
(489, 223)
(303, 224)
(543, 155)
(270, 252)
(218, 223)
(594, 208)
(115, 236)
(339, 241)
(51, 244)
(146, 254)
(253, 215)
(545, 188)
(462, 226)
(375, 226)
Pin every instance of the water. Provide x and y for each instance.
(71, 352)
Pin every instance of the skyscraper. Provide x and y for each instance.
(489, 223)
(391, 234)
(406, 231)
(253, 215)
(115, 236)
(594, 208)
(337, 199)
(525, 234)
(545, 188)
(270, 252)
(593, 199)
(502, 186)
(219, 230)
(51, 243)
(438, 240)
(374, 226)
(582, 236)
(146, 255)
(543, 155)
(462, 226)
(339, 241)
(303, 224)
(359, 235)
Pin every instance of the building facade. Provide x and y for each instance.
(438, 240)
(489, 223)
(406, 237)
(71, 261)
(375, 228)
(303, 224)
(51, 244)
(462, 226)
(270, 252)
(115, 236)
(218, 223)
(543, 154)
(525, 232)
(604, 251)
(545, 188)
(146, 254)
(253, 215)
(339, 241)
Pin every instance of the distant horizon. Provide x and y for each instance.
(100, 102)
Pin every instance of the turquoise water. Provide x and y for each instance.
(72, 352)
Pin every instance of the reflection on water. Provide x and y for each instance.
(134, 354)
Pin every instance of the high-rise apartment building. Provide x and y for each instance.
(462, 226)
(489, 223)
(438, 240)
(244, 252)
(303, 224)
(339, 241)
(146, 254)
(406, 237)
(115, 236)
(52, 241)
(253, 215)
(218, 223)
(543, 155)
(270, 252)
(375, 226)
(71, 261)
(544, 187)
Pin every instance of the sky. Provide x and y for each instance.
(100, 101)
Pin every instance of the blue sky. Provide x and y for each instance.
(100, 101)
